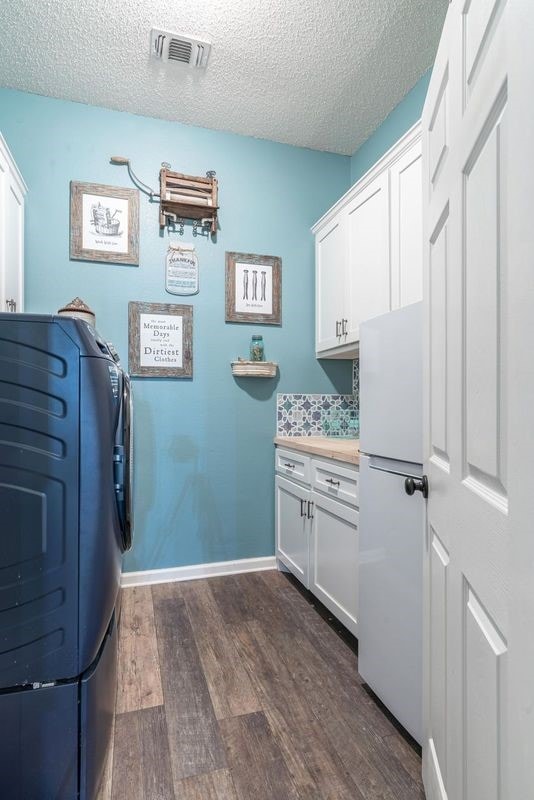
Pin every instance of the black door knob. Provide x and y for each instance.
(412, 485)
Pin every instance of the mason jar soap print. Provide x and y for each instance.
(181, 269)
(257, 352)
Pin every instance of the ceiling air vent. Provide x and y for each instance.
(167, 46)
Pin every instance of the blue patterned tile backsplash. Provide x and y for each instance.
(310, 414)
(319, 414)
(356, 381)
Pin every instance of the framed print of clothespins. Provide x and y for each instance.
(253, 288)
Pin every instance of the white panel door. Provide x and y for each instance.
(14, 248)
(12, 191)
(407, 228)
(334, 558)
(330, 260)
(292, 527)
(4, 188)
(369, 281)
(467, 380)
(519, 309)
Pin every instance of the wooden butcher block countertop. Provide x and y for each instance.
(326, 446)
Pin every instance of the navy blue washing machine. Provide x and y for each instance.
(65, 521)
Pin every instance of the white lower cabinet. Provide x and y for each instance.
(334, 558)
(317, 533)
(292, 534)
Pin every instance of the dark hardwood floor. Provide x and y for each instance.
(236, 688)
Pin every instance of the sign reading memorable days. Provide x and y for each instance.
(253, 288)
(160, 340)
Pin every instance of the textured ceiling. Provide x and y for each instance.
(316, 73)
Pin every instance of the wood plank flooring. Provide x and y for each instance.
(236, 688)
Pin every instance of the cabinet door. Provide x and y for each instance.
(334, 558)
(292, 527)
(407, 228)
(11, 239)
(368, 272)
(330, 261)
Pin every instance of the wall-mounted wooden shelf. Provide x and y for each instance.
(188, 197)
(254, 369)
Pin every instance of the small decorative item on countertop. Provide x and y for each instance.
(181, 269)
(257, 351)
(77, 308)
(254, 369)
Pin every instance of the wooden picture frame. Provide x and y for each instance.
(253, 289)
(104, 223)
(160, 340)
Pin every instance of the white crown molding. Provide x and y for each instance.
(172, 574)
(395, 152)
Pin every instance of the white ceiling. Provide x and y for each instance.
(316, 73)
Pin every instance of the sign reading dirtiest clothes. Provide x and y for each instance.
(160, 340)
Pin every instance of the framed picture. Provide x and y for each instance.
(253, 288)
(104, 223)
(160, 340)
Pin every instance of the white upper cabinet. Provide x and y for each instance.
(407, 228)
(368, 246)
(369, 249)
(12, 192)
(331, 259)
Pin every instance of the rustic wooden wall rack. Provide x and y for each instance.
(188, 197)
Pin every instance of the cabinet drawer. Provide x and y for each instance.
(293, 465)
(336, 481)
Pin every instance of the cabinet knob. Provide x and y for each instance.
(412, 485)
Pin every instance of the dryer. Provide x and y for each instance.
(65, 521)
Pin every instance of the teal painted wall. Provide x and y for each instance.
(398, 121)
(204, 455)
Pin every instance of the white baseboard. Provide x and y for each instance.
(171, 574)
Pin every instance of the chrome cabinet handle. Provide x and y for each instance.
(11, 305)
(338, 324)
(288, 465)
(332, 482)
(302, 511)
(310, 508)
(344, 327)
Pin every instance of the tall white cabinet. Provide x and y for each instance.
(368, 249)
(12, 193)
